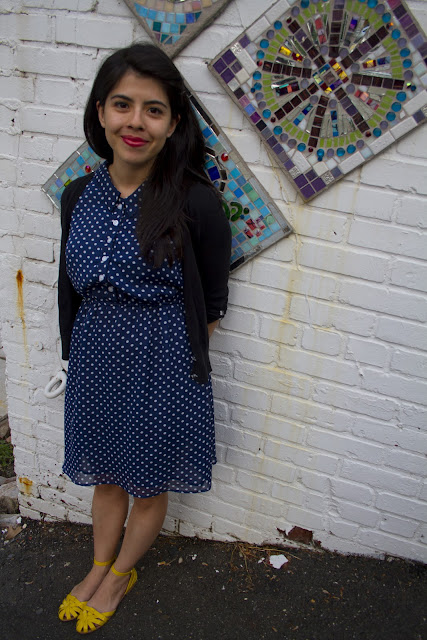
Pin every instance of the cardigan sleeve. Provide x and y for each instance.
(211, 239)
(68, 298)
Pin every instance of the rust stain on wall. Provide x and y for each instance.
(25, 485)
(20, 307)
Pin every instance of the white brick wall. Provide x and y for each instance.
(319, 367)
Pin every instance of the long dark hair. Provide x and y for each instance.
(161, 219)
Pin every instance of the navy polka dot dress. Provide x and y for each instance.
(133, 415)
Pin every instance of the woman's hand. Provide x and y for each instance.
(212, 326)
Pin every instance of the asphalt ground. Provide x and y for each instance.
(190, 589)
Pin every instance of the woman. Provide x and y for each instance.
(144, 266)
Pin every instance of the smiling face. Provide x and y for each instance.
(137, 119)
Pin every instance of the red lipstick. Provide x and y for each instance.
(133, 142)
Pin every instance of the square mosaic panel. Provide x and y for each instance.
(328, 84)
(256, 223)
(172, 24)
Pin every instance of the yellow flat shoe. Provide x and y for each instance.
(71, 607)
(90, 619)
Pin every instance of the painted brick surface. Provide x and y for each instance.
(319, 367)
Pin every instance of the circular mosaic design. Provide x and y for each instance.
(327, 82)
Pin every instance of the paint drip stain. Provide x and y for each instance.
(20, 309)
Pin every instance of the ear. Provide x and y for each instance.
(100, 110)
(173, 125)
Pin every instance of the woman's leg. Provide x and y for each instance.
(144, 524)
(110, 505)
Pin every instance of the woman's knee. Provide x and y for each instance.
(155, 502)
(110, 491)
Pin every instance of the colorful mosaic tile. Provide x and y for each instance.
(81, 162)
(328, 84)
(256, 223)
(174, 23)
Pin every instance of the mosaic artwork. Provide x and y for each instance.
(172, 24)
(328, 84)
(255, 221)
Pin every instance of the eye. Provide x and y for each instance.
(119, 104)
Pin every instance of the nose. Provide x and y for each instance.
(136, 120)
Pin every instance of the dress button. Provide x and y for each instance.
(110, 289)
(115, 223)
(109, 239)
(104, 258)
(101, 277)
(119, 206)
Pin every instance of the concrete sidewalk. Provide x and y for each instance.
(196, 590)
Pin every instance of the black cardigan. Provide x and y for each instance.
(205, 265)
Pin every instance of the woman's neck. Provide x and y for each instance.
(125, 179)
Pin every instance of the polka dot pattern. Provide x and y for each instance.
(133, 415)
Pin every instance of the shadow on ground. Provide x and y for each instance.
(190, 589)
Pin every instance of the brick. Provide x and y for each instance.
(272, 378)
(389, 434)
(326, 342)
(351, 491)
(44, 226)
(56, 91)
(20, 88)
(411, 211)
(395, 303)
(400, 506)
(40, 273)
(271, 274)
(260, 464)
(357, 401)
(244, 347)
(301, 456)
(36, 27)
(94, 31)
(389, 544)
(55, 61)
(221, 366)
(288, 494)
(379, 478)
(240, 321)
(246, 142)
(367, 351)
(278, 330)
(9, 144)
(249, 501)
(408, 462)
(319, 366)
(320, 225)
(256, 298)
(306, 519)
(253, 482)
(343, 261)
(8, 169)
(240, 394)
(268, 425)
(237, 438)
(228, 115)
(358, 199)
(332, 315)
(282, 251)
(401, 332)
(394, 386)
(398, 526)
(45, 120)
(408, 274)
(400, 176)
(372, 235)
(347, 447)
(38, 249)
(342, 529)
(409, 363)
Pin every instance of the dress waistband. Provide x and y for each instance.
(110, 294)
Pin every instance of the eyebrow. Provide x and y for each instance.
(147, 102)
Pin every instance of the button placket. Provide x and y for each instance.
(105, 257)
